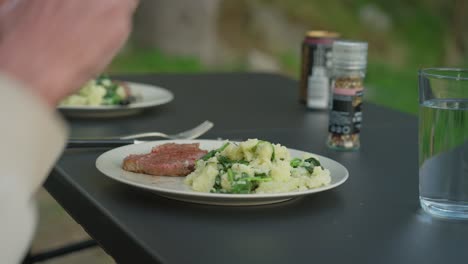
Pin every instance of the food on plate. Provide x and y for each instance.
(252, 166)
(256, 166)
(166, 160)
(100, 91)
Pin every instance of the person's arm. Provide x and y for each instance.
(31, 139)
(48, 49)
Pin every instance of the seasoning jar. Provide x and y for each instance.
(349, 61)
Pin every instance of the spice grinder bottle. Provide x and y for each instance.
(349, 61)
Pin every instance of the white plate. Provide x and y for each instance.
(147, 96)
(110, 164)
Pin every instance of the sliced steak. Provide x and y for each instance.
(165, 160)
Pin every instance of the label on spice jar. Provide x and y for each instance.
(346, 113)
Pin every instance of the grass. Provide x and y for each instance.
(394, 88)
(152, 60)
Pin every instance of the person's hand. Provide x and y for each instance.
(54, 46)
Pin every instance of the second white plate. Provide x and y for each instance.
(147, 96)
(110, 164)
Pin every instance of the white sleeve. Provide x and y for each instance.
(32, 137)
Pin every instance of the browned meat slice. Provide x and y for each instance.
(165, 160)
(176, 148)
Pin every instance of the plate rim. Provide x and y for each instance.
(233, 197)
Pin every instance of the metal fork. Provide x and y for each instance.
(189, 134)
(132, 139)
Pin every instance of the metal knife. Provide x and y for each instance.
(100, 143)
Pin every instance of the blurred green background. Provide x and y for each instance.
(265, 35)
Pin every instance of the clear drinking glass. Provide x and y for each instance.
(443, 142)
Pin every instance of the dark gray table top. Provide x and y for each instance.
(373, 218)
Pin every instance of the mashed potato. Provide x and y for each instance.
(256, 166)
(96, 92)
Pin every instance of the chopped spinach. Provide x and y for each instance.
(273, 152)
(227, 162)
(295, 162)
(230, 175)
(313, 161)
(217, 186)
(212, 153)
(241, 186)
